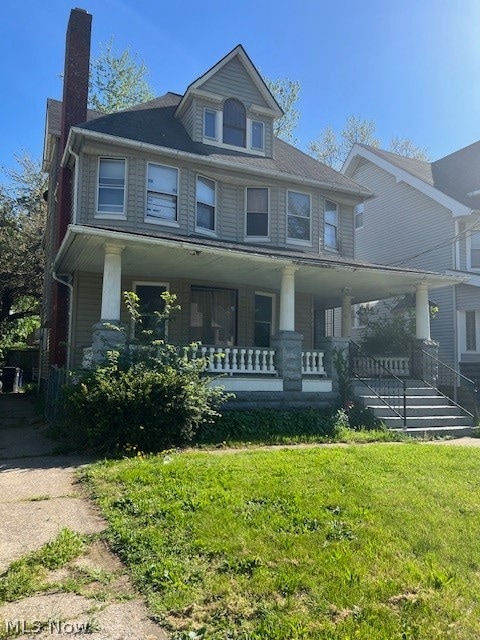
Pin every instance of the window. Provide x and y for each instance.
(331, 225)
(257, 212)
(213, 316)
(257, 135)
(470, 330)
(162, 188)
(150, 304)
(359, 209)
(298, 216)
(263, 323)
(234, 123)
(475, 250)
(210, 124)
(111, 186)
(205, 204)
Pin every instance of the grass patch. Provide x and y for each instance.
(25, 576)
(358, 542)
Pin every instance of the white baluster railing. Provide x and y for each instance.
(237, 360)
(399, 365)
(312, 363)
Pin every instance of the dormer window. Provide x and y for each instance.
(210, 124)
(234, 123)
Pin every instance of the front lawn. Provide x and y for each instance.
(364, 542)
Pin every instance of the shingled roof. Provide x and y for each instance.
(154, 123)
(456, 175)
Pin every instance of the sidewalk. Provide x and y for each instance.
(39, 496)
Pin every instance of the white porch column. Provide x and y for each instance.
(287, 299)
(422, 313)
(346, 313)
(112, 283)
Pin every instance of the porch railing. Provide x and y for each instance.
(380, 365)
(451, 384)
(388, 387)
(238, 360)
(312, 363)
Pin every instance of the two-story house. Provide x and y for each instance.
(427, 215)
(193, 194)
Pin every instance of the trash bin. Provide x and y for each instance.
(11, 379)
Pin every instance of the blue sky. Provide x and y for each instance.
(411, 66)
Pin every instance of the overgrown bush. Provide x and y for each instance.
(149, 396)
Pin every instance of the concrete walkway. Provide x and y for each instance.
(39, 496)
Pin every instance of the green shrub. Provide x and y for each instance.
(147, 397)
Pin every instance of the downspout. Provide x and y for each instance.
(75, 184)
(70, 315)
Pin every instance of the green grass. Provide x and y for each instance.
(339, 543)
(26, 575)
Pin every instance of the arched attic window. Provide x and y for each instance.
(234, 123)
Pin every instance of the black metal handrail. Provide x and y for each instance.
(391, 389)
(450, 383)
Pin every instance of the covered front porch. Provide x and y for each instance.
(283, 350)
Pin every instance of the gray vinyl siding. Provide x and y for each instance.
(230, 202)
(87, 308)
(400, 223)
(442, 325)
(233, 81)
(304, 318)
(188, 119)
(468, 297)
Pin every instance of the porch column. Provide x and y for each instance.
(112, 283)
(422, 313)
(287, 299)
(287, 342)
(107, 334)
(346, 313)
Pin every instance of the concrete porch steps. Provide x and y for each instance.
(428, 412)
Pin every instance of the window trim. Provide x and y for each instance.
(469, 251)
(105, 215)
(257, 238)
(330, 247)
(298, 241)
(359, 212)
(209, 232)
(250, 123)
(149, 283)
(217, 128)
(161, 221)
(218, 142)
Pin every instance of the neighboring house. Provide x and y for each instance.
(427, 215)
(192, 193)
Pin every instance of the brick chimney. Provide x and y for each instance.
(74, 102)
(74, 111)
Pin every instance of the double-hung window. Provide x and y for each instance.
(206, 202)
(257, 212)
(298, 217)
(264, 319)
(331, 225)
(111, 186)
(162, 193)
(359, 211)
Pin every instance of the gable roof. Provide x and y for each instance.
(452, 181)
(251, 70)
(154, 124)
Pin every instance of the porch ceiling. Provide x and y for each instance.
(198, 260)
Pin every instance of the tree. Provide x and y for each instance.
(117, 81)
(286, 92)
(22, 224)
(333, 149)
